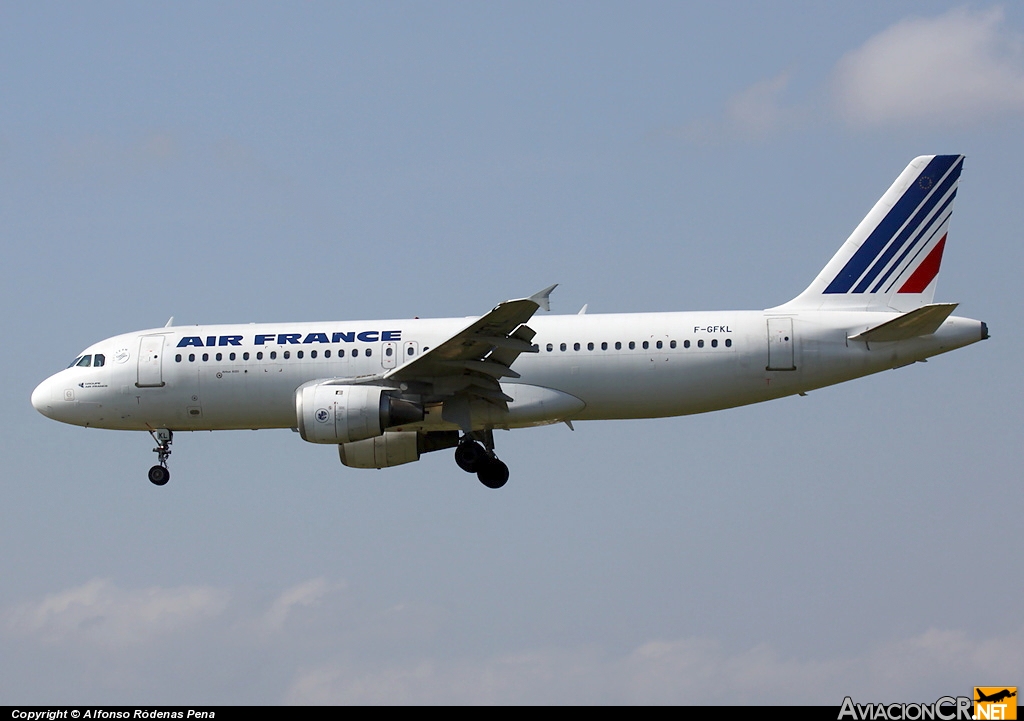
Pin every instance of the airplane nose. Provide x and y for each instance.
(41, 399)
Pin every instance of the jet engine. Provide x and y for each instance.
(328, 413)
(393, 448)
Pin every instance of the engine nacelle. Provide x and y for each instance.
(390, 449)
(342, 414)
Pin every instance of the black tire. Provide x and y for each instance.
(493, 473)
(158, 475)
(469, 455)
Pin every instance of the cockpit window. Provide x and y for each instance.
(98, 360)
(73, 363)
(84, 362)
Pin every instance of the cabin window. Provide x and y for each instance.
(700, 344)
(575, 346)
(618, 345)
(341, 352)
(231, 356)
(686, 344)
(298, 354)
(388, 351)
(220, 356)
(327, 353)
(287, 354)
(368, 352)
(632, 345)
(550, 347)
(646, 345)
(659, 345)
(671, 344)
(206, 356)
(590, 346)
(191, 357)
(355, 352)
(177, 358)
(714, 342)
(273, 355)
(562, 346)
(312, 354)
(604, 345)
(259, 355)
(728, 342)
(410, 350)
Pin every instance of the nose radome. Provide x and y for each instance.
(41, 400)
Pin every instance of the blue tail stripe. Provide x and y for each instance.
(893, 221)
(938, 192)
(941, 216)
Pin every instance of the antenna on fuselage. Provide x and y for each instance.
(170, 322)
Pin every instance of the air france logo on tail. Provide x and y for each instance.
(903, 251)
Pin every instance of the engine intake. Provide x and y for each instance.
(329, 413)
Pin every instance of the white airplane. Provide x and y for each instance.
(387, 391)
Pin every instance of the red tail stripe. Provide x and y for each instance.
(925, 272)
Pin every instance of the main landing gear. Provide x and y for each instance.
(474, 457)
(158, 474)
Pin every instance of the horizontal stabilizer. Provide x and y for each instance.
(923, 321)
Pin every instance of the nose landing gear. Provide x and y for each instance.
(473, 457)
(158, 474)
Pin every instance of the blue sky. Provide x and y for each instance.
(239, 162)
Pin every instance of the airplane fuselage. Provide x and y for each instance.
(637, 365)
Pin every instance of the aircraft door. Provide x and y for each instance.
(389, 355)
(780, 345)
(151, 351)
(410, 350)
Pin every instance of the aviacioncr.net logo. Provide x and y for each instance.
(946, 708)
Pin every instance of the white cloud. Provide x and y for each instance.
(103, 614)
(956, 68)
(687, 671)
(308, 594)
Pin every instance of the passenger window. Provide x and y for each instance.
(85, 362)
(341, 352)
(287, 354)
(220, 356)
(98, 360)
(245, 356)
(590, 346)
(388, 351)
(355, 352)
(299, 354)
(686, 344)
(728, 342)
(259, 355)
(700, 344)
(714, 342)
(206, 356)
(672, 344)
(618, 345)
(561, 346)
(177, 358)
(368, 352)
(191, 357)
(604, 345)
(632, 345)
(550, 347)
(659, 345)
(412, 350)
(327, 353)
(231, 357)
(273, 355)
(646, 345)
(575, 346)
(312, 354)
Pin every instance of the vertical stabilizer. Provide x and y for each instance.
(891, 261)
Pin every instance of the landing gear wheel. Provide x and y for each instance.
(159, 475)
(469, 455)
(492, 473)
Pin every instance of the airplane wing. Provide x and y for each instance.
(471, 363)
